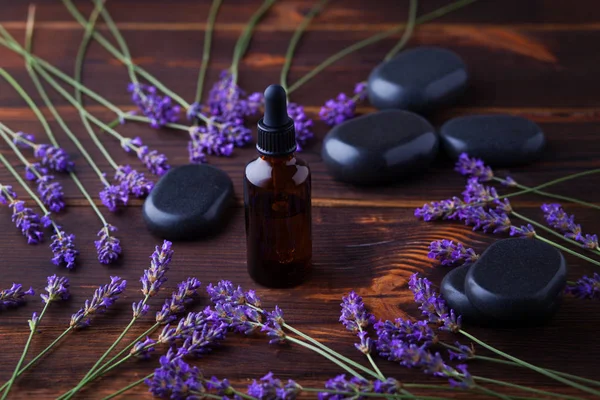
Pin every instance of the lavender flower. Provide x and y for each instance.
(407, 331)
(335, 111)
(432, 305)
(302, 124)
(114, 196)
(557, 218)
(175, 379)
(135, 182)
(193, 322)
(27, 221)
(473, 167)
(270, 388)
(475, 192)
(227, 100)
(57, 289)
(221, 387)
(50, 193)
(63, 249)
(584, 288)
(354, 385)
(445, 209)
(154, 276)
(108, 247)
(491, 220)
(160, 110)
(226, 292)
(156, 162)
(240, 318)
(462, 352)
(53, 158)
(509, 182)
(142, 349)
(186, 292)
(139, 309)
(7, 195)
(235, 133)
(21, 138)
(450, 253)
(525, 231)
(207, 140)
(15, 296)
(273, 326)
(104, 297)
(354, 314)
(202, 341)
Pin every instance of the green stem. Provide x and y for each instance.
(530, 366)
(89, 29)
(553, 182)
(289, 55)
(25, 349)
(324, 354)
(551, 231)
(374, 39)
(132, 117)
(554, 196)
(244, 40)
(375, 368)
(567, 250)
(410, 27)
(492, 393)
(525, 388)
(128, 387)
(5, 133)
(210, 24)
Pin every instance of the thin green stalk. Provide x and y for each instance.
(552, 195)
(210, 24)
(169, 125)
(530, 366)
(549, 230)
(289, 55)
(15, 373)
(525, 388)
(492, 393)
(244, 39)
(324, 354)
(567, 250)
(84, 46)
(375, 368)
(374, 39)
(128, 387)
(410, 27)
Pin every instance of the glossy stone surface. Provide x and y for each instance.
(380, 147)
(420, 79)
(500, 140)
(189, 202)
(517, 281)
(452, 289)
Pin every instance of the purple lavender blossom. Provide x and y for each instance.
(142, 349)
(154, 277)
(557, 218)
(63, 249)
(193, 321)
(207, 140)
(7, 195)
(235, 133)
(50, 193)
(15, 296)
(202, 340)
(432, 305)
(354, 314)
(135, 182)
(407, 331)
(353, 385)
(269, 388)
(175, 379)
(273, 326)
(57, 289)
(584, 288)
(360, 90)
(104, 297)
(156, 162)
(462, 352)
(491, 220)
(185, 294)
(335, 111)
(227, 100)
(160, 110)
(139, 309)
(524, 230)
(114, 196)
(108, 247)
(221, 387)
(21, 138)
(473, 167)
(302, 124)
(27, 221)
(509, 182)
(226, 292)
(445, 209)
(475, 192)
(450, 253)
(240, 318)
(53, 158)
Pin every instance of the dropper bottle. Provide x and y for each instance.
(277, 201)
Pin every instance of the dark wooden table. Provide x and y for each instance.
(538, 59)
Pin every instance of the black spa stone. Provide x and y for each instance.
(420, 79)
(452, 289)
(380, 147)
(500, 140)
(517, 281)
(189, 202)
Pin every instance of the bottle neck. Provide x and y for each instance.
(278, 159)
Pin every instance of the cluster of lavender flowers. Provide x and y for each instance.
(63, 249)
(450, 253)
(586, 287)
(49, 190)
(14, 296)
(356, 388)
(160, 110)
(342, 108)
(108, 247)
(558, 219)
(154, 277)
(24, 218)
(156, 162)
(50, 157)
(357, 319)
(57, 289)
(104, 297)
(127, 181)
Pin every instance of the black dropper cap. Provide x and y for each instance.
(276, 133)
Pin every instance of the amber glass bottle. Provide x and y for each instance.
(277, 201)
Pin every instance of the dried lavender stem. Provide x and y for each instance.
(210, 24)
(289, 55)
(410, 27)
(33, 328)
(84, 45)
(128, 387)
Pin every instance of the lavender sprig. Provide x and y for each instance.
(104, 297)
(14, 296)
(557, 218)
(115, 196)
(53, 158)
(186, 292)
(302, 124)
(24, 218)
(159, 109)
(154, 277)
(432, 305)
(356, 388)
(343, 107)
(156, 162)
(63, 249)
(586, 287)
(175, 379)
(108, 246)
(450, 253)
(135, 182)
(473, 167)
(269, 387)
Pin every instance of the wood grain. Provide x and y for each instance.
(534, 59)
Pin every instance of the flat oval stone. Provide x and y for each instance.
(452, 289)
(517, 280)
(189, 202)
(380, 147)
(500, 140)
(419, 79)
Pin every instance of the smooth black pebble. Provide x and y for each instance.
(380, 147)
(500, 140)
(452, 289)
(420, 79)
(189, 202)
(517, 281)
